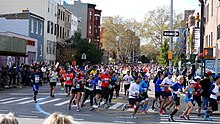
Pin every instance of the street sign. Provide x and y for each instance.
(171, 33)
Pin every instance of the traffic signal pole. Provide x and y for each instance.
(171, 38)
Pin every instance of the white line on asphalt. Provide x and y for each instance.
(53, 100)
(62, 103)
(124, 117)
(194, 121)
(3, 110)
(6, 99)
(78, 119)
(17, 100)
(116, 105)
(191, 116)
(83, 115)
(27, 116)
(35, 112)
(124, 122)
(25, 102)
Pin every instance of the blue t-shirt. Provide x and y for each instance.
(144, 86)
(157, 85)
(177, 88)
(189, 94)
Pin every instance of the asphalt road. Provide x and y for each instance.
(20, 102)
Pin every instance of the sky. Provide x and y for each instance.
(137, 8)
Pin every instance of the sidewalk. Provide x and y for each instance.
(182, 101)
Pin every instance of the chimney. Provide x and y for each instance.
(26, 10)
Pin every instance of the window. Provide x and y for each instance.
(68, 33)
(41, 50)
(209, 40)
(48, 26)
(90, 15)
(55, 29)
(206, 41)
(48, 6)
(32, 25)
(63, 33)
(36, 29)
(52, 7)
(212, 8)
(51, 27)
(207, 13)
(60, 32)
(41, 28)
(58, 29)
(68, 19)
(63, 16)
(58, 13)
(48, 47)
(90, 29)
(218, 32)
(55, 10)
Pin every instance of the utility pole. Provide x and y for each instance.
(202, 26)
(216, 60)
(171, 38)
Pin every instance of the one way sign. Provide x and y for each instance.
(171, 33)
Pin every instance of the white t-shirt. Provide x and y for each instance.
(168, 82)
(127, 79)
(134, 88)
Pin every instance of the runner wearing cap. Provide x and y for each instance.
(197, 94)
(144, 88)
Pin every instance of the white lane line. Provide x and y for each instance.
(115, 105)
(78, 119)
(2, 100)
(191, 116)
(88, 115)
(27, 116)
(124, 117)
(53, 100)
(62, 103)
(17, 100)
(3, 110)
(29, 101)
(124, 122)
(199, 120)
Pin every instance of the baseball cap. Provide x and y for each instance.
(197, 77)
(192, 82)
(170, 73)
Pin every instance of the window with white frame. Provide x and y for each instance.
(36, 29)
(48, 6)
(52, 7)
(41, 28)
(32, 25)
(41, 50)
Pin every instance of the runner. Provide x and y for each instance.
(134, 97)
(144, 88)
(197, 94)
(158, 91)
(68, 82)
(213, 104)
(62, 74)
(189, 100)
(36, 78)
(106, 78)
(53, 81)
(176, 91)
(89, 91)
(166, 93)
(98, 88)
(127, 82)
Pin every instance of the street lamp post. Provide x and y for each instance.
(117, 39)
(171, 38)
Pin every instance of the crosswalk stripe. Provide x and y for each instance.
(49, 101)
(62, 103)
(2, 100)
(29, 101)
(17, 100)
(193, 121)
(191, 116)
(116, 105)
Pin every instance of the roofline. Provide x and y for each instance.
(23, 13)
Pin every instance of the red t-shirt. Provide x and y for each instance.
(69, 79)
(105, 80)
(198, 89)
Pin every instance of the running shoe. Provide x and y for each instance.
(171, 118)
(74, 102)
(165, 111)
(91, 109)
(207, 119)
(78, 110)
(187, 116)
(69, 107)
(35, 101)
(144, 112)
(162, 112)
(133, 116)
(62, 88)
(183, 117)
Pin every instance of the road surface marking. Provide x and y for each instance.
(6, 99)
(27, 116)
(88, 115)
(116, 105)
(62, 103)
(123, 122)
(25, 102)
(3, 110)
(17, 100)
(53, 100)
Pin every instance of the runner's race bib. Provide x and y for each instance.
(68, 78)
(77, 86)
(36, 78)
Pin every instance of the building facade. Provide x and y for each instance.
(28, 24)
(44, 8)
(90, 18)
(212, 24)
